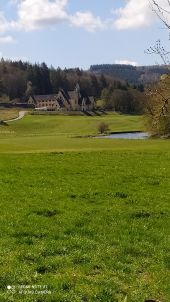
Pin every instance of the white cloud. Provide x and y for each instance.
(35, 14)
(135, 14)
(87, 21)
(7, 40)
(126, 62)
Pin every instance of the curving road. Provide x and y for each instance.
(20, 116)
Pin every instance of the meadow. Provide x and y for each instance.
(88, 218)
(62, 133)
(7, 114)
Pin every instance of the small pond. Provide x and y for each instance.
(126, 135)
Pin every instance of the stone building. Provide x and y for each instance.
(76, 100)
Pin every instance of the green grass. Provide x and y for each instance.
(92, 224)
(62, 133)
(67, 133)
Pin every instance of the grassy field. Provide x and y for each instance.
(7, 114)
(65, 133)
(91, 226)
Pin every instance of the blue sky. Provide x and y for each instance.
(78, 33)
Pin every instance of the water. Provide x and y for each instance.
(127, 135)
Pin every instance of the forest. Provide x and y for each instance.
(133, 74)
(18, 80)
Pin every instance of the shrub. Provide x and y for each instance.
(3, 123)
(103, 127)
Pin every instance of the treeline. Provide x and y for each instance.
(125, 72)
(18, 80)
(17, 77)
(132, 74)
(131, 100)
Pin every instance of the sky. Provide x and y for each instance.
(80, 33)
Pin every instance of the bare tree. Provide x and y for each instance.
(158, 96)
(162, 10)
(159, 50)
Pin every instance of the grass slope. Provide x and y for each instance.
(7, 114)
(91, 226)
(60, 133)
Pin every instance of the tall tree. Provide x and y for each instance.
(45, 79)
(157, 106)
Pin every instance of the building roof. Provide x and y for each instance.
(44, 97)
(85, 97)
(71, 94)
(60, 102)
(67, 95)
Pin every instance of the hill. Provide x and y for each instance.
(132, 74)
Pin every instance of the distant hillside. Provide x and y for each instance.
(20, 79)
(134, 75)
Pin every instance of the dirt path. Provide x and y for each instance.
(20, 116)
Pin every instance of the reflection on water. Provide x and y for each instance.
(127, 135)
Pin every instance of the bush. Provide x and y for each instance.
(103, 127)
(2, 123)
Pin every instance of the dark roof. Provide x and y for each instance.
(83, 95)
(44, 97)
(60, 102)
(66, 95)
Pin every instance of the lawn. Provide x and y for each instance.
(7, 114)
(63, 133)
(92, 225)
